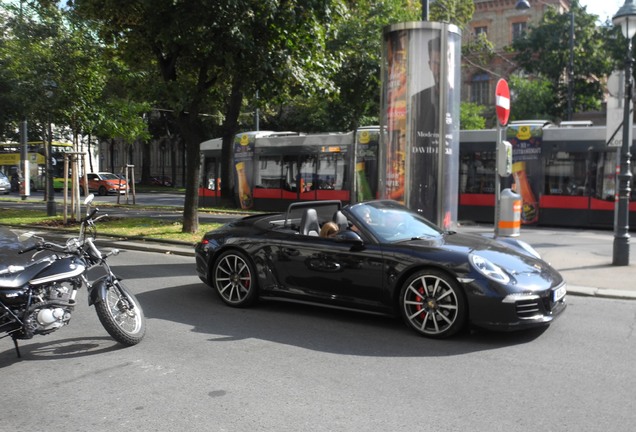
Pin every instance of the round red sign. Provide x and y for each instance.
(502, 101)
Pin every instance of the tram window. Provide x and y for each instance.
(604, 173)
(477, 173)
(308, 177)
(269, 174)
(331, 168)
(210, 176)
(290, 172)
(568, 173)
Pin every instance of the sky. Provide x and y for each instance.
(603, 8)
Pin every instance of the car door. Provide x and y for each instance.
(330, 270)
(93, 182)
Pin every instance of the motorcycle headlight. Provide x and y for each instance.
(488, 269)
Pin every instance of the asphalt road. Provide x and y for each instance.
(282, 367)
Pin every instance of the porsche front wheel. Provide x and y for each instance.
(234, 279)
(433, 304)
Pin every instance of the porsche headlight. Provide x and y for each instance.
(488, 269)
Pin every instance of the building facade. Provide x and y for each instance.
(500, 21)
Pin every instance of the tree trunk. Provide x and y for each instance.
(146, 163)
(230, 127)
(192, 133)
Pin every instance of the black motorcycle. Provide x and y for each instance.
(38, 298)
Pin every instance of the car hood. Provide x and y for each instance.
(524, 269)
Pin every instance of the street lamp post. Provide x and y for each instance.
(626, 19)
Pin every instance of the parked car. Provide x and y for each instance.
(385, 259)
(105, 183)
(161, 181)
(5, 184)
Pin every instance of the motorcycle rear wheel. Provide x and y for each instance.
(121, 315)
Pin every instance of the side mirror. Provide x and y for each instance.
(349, 237)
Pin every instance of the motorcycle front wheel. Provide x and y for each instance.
(121, 315)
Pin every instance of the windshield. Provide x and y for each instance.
(390, 221)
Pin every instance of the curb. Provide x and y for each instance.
(601, 293)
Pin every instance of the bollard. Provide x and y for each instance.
(509, 214)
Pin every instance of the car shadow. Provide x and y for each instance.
(313, 327)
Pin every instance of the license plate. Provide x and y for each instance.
(558, 294)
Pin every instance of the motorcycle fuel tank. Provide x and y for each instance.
(65, 268)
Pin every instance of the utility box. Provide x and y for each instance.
(509, 214)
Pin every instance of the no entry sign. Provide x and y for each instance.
(502, 101)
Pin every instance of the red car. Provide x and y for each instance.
(105, 183)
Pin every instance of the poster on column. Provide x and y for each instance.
(424, 110)
(395, 151)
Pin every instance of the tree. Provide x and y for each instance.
(544, 51)
(531, 98)
(471, 116)
(209, 54)
(458, 12)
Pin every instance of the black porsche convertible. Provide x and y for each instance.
(381, 257)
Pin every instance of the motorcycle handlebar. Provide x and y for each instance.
(29, 249)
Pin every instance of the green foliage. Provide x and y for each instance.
(458, 12)
(544, 51)
(472, 116)
(479, 50)
(531, 98)
(56, 69)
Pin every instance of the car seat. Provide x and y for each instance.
(340, 220)
(309, 223)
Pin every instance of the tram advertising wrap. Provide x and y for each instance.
(243, 163)
(367, 141)
(526, 143)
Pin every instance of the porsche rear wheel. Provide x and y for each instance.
(234, 279)
(433, 304)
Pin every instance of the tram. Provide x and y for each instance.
(273, 169)
(566, 174)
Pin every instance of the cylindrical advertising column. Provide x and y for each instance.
(419, 154)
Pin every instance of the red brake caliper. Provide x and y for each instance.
(419, 299)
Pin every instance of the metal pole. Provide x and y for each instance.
(51, 206)
(571, 68)
(624, 178)
(497, 180)
(24, 188)
(425, 15)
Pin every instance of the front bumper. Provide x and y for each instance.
(518, 311)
